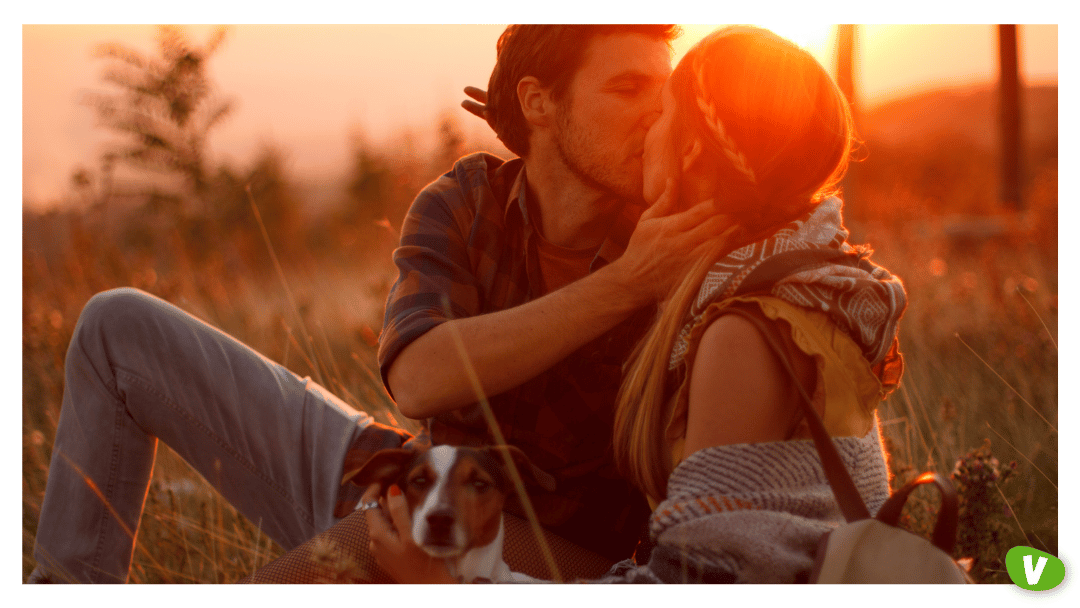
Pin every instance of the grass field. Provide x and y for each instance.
(978, 399)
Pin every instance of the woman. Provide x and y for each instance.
(708, 422)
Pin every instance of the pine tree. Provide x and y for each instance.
(164, 111)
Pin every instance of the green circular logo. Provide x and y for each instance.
(1034, 570)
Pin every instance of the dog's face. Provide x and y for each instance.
(455, 494)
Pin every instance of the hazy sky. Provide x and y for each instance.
(306, 88)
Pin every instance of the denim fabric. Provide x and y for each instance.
(139, 369)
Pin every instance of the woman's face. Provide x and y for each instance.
(661, 158)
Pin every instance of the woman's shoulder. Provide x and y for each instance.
(842, 384)
(744, 382)
(804, 331)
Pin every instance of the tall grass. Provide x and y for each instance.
(978, 337)
(188, 533)
(978, 400)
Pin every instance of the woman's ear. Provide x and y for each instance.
(535, 100)
(691, 154)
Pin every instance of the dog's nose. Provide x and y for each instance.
(440, 520)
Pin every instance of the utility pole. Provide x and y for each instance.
(1011, 120)
(845, 79)
(845, 61)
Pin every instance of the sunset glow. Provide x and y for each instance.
(811, 36)
(814, 37)
(310, 88)
(320, 193)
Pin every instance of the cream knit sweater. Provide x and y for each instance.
(752, 513)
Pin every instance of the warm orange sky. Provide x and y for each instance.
(306, 88)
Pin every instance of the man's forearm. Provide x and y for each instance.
(508, 347)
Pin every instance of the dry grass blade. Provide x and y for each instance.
(1033, 465)
(1012, 512)
(493, 425)
(915, 421)
(284, 283)
(988, 366)
(97, 492)
(1049, 333)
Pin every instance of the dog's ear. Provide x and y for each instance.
(383, 467)
(530, 473)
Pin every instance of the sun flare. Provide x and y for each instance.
(817, 38)
(810, 36)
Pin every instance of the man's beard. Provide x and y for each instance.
(575, 151)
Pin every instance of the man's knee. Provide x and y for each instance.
(119, 309)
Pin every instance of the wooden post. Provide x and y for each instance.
(845, 61)
(845, 79)
(1009, 99)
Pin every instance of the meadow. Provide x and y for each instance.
(306, 287)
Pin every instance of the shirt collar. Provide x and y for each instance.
(515, 199)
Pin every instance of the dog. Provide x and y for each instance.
(455, 497)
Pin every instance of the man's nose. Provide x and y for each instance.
(651, 117)
(656, 108)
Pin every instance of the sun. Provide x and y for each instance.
(810, 36)
(817, 38)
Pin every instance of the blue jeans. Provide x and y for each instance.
(139, 369)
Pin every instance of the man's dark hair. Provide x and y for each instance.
(552, 54)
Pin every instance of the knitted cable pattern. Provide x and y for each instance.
(752, 513)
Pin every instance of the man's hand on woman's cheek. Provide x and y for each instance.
(666, 240)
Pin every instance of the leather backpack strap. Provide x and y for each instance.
(944, 536)
(847, 495)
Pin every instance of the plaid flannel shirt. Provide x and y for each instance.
(466, 246)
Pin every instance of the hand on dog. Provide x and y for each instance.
(392, 544)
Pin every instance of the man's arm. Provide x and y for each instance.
(509, 347)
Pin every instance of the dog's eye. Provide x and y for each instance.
(418, 481)
(480, 485)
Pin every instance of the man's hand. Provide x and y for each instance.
(392, 543)
(508, 347)
(665, 244)
(478, 107)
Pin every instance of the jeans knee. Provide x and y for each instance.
(115, 307)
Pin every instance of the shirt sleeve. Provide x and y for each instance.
(435, 279)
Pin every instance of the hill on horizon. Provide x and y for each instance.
(969, 112)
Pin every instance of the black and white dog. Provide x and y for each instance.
(455, 497)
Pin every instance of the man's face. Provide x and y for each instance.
(605, 114)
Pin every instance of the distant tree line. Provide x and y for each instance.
(157, 178)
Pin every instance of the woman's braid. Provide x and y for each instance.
(727, 144)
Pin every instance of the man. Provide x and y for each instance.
(542, 295)
(526, 269)
(505, 254)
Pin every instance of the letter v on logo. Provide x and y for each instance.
(1034, 570)
(1033, 574)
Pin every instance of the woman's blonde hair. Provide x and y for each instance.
(776, 133)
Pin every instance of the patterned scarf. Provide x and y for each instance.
(866, 305)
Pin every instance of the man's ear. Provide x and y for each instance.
(691, 155)
(536, 102)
